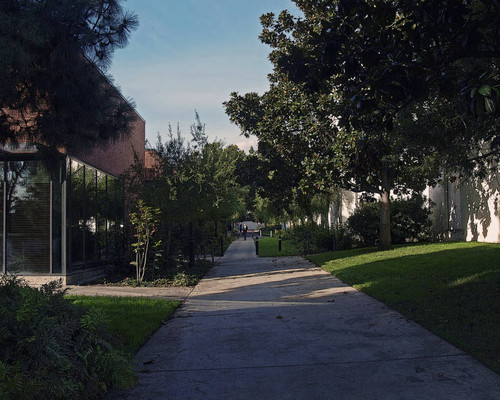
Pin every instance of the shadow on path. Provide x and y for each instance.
(282, 328)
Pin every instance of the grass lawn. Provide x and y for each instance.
(132, 319)
(452, 289)
(268, 247)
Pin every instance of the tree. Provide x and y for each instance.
(145, 221)
(53, 90)
(198, 132)
(194, 186)
(349, 75)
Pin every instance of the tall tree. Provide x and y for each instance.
(348, 73)
(193, 185)
(198, 131)
(53, 58)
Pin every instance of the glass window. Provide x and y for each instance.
(115, 213)
(90, 214)
(76, 211)
(28, 217)
(101, 216)
(56, 179)
(95, 216)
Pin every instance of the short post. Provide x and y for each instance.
(279, 243)
(221, 246)
(271, 233)
(257, 245)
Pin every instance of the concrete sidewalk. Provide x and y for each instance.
(285, 329)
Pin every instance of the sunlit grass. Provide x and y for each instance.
(269, 247)
(453, 289)
(132, 319)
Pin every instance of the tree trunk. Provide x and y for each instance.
(385, 216)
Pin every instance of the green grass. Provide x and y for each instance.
(131, 319)
(452, 289)
(268, 247)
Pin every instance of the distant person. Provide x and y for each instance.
(245, 230)
(241, 228)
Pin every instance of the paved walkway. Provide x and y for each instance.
(285, 329)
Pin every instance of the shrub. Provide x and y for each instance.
(410, 221)
(52, 349)
(343, 238)
(364, 224)
(320, 238)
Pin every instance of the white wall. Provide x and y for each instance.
(460, 210)
(467, 210)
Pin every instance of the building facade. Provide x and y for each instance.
(65, 220)
(466, 210)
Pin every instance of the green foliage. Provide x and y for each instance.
(320, 238)
(449, 288)
(360, 119)
(194, 185)
(364, 223)
(52, 349)
(145, 221)
(410, 221)
(52, 93)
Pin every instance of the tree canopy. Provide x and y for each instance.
(53, 58)
(194, 184)
(377, 95)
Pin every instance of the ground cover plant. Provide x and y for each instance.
(452, 289)
(269, 247)
(181, 274)
(132, 320)
(51, 349)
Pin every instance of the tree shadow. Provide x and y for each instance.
(481, 208)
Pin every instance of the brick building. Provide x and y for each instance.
(66, 222)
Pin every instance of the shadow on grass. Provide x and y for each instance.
(451, 289)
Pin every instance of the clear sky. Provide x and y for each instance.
(191, 54)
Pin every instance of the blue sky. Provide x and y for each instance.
(191, 54)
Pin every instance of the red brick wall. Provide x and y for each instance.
(151, 164)
(118, 156)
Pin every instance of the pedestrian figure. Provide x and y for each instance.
(245, 230)
(241, 228)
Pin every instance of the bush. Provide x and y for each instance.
(52, 349)
(364, 224)
(410, 221)
(320, 238)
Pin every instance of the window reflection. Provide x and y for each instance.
(27, 203)
(31, 204)
(96, 218)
